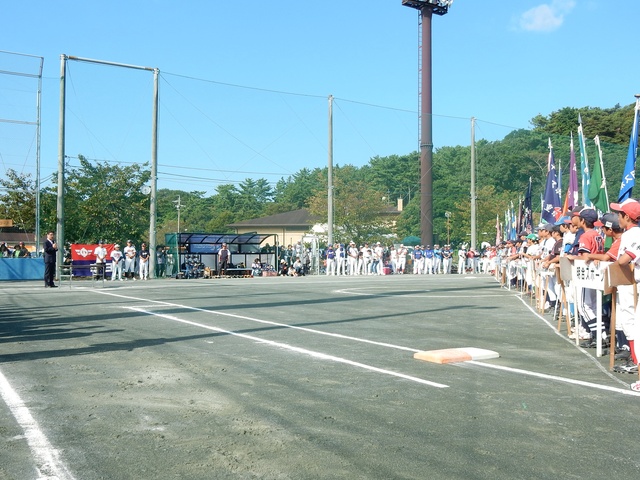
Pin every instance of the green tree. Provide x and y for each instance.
(18, 200)
(104, 201)
(398, 176)
(252, 198)
(358, 211)
(295, 191)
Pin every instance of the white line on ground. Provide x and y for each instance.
(568, 380)
(555, 378)
(47, 459)
(156, 303)
(555, 330)
(417, 294)
(311, 353)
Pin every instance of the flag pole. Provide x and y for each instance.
(604, 179)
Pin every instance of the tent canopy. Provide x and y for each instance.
(211, 242)
(411, 241)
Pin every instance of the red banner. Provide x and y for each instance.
(84, 252)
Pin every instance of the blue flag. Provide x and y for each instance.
(551, 204)
(629, 175)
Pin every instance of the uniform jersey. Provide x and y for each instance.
(591, 242)
(630, 244)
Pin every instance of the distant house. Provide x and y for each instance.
(13, 236)
(290, 227)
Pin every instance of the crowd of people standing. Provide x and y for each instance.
(378, 259)
(587, 236)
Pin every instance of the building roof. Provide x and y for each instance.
(13, 238)
(296, 218)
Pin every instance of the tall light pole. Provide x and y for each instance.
(427, 8)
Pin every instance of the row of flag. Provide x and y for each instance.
(594, 188)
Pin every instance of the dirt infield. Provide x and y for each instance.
(300, 378)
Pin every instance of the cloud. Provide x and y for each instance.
(546, 17)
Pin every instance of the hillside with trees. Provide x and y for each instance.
(106, 201)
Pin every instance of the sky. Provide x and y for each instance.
(244, 86)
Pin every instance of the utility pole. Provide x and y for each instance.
(61, 159)
(154, 178)
(178, 205)
(448, 215)
(473, 184)
(330, 177)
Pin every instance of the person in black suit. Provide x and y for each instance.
(50, 250)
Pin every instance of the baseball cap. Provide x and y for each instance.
(589, 214)
(563, 220)
(610, 220)
(629, 206)
(575, 211)
(546, 226)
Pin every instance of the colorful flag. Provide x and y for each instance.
(527, 211)
(598, 186)
(551, 205)
(584, 165)
(505, 233)
(572, 194)
(629, 175)
(513, 234)
(520, 212)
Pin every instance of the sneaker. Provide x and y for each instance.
(628, 367)
(635, 386)
(581, 336)
(623, 355)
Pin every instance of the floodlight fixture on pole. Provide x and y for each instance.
(427, 8)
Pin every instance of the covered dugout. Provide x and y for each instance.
(203, 247)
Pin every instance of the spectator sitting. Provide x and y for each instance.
(298, 268)
(284, 268)
(256, 268)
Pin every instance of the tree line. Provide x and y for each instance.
(106, 201)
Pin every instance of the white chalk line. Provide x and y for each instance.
(555, 378)
(584, 352)
(156, 303)
(508, 369)
(286, 346)
(47, 459)
(417, 293)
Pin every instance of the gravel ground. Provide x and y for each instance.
(207, 379)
